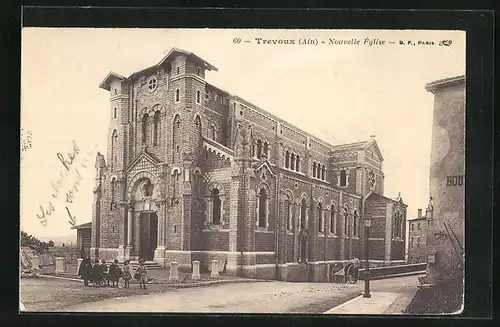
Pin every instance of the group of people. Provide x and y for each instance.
(100, 275)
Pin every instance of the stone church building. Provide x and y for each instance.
(193, 172)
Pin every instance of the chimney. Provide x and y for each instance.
(419, 213)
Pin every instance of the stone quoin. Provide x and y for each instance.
(194, 173)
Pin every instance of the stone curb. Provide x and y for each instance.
(186, 285)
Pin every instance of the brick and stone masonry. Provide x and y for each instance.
(194, 173)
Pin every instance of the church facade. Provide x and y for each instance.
(193, 172)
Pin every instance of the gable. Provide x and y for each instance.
(264, 166)
(143, 162)
(373, 149)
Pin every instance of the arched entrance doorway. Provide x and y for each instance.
(148, 229)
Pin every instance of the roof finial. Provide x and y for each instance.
(372, 137)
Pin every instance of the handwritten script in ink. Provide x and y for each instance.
(26, 141)
(68, 164)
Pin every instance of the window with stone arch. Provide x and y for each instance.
(197, 123)
(333, 219)
(297, 163)
(292, 162)
(259, 149)
(263, 208)
(198, 97)
(343, 178)
(346, 220)
(112, 191)
(356, 223)
(213, 131)
(398, 224)
(114, 113)
(314, 169)
(177, 94)
(114, 149)
(156, 128)
(321, 221)
(266, 149)
(216, 206)
(176, 139)
(303, 214)
(145, 127)
(289, 211)
(287, 159)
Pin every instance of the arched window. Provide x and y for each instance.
(314, 169)
(213, 132)
(303, 213)
(114, 112)
(418, 242)
(156, 128)
(176, 139)
(145, 123)
(346, 221)
(356, 223)
(292, 162)
(287, 159)
(259, 148)
(216, 207)
(323, 170)
(297, 164)
(113, 186)
(197, 123)
(266, 149)
(333, 220)
(418, 226)
(289, 224)
(343, 178)
(411, 242)
(262, 208)
(198, 97)
(177, 94)
(320, 218)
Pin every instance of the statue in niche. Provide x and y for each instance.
(147, 189)
(100, 166)
(430, 209)
(161, 188)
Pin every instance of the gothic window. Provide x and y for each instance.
(113, 186)
(314, 169)
(343, 178)
(333, 220)
(323, 172)
(297, 163)
(287, 159)
(412, 227)
(216, 207)
(197, 123)
(145, 126)
(289, 215)
(418, 226)
(320, 218)
(178, 70)
(198, 97)
(198, 71)
(177, 94)
(177, 132)
(266, 149)
(292, 162)
(114, 150)
(156, 128)
(303, 213)
(259, 148)
(346, 221)
(262, 208)
(356, 223)
(114, 113)
(398, 224)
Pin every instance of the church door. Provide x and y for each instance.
(149, 234)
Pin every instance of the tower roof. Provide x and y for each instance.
(445, 82)
(106, 81)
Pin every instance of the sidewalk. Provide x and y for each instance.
(379, 303)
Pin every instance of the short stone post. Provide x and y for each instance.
(79, 260)
(60, 265)
(174, 271)
(35, 262)
(196, 270)
(215, 269)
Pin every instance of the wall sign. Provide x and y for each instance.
(457, 180)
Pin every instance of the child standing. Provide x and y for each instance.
(142, 271)
(127, 276)
(114, 273)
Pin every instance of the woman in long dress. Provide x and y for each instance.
(85, 271)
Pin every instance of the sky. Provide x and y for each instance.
(339, 93)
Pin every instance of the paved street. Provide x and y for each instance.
(259, 297)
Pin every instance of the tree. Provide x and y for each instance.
(34, 243)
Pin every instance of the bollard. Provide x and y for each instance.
(35, 262)
(215, 269)
(79, 260)
(174, 271)
(196, 270)
(60, 265)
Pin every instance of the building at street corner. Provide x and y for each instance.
(193, 172)
(417, 239)
(445, 213)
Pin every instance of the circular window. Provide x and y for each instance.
(152, 84)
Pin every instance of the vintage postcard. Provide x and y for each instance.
(285, 171)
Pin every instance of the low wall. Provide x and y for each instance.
(393, 270)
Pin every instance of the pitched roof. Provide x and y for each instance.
(377, 197)
(83, 226)
(357, 146)
(440, 83)
(111, 75)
